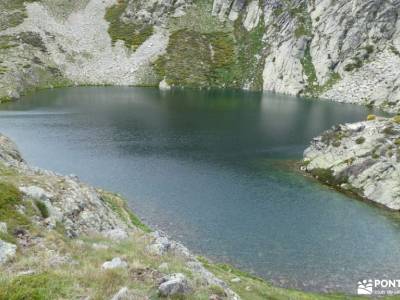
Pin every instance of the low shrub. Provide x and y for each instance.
(41, 206)
(360, 140)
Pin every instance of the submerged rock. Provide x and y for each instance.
(362, 158)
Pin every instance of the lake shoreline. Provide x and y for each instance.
(359, 159)
(54, 222)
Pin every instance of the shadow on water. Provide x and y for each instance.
(209, 168)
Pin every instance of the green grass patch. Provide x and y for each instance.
(35, 287)
(133, 35)
(12, 12)
(360, 140)
(254, 288)
(41, 206)
(214, 59)
(326, 176)
(193, 58)
(10, 198)
(356, 64)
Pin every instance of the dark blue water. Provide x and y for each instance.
(212, 169)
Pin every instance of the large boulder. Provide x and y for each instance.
(175, 284)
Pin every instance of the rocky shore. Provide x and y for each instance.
(361, 158)
(63, 239)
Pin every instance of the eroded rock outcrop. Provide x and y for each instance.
(363, 158)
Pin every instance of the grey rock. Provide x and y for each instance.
(35, 192)
(3, 227)
(362, 158)
(7, 251)
(122, 294)
(117, 234)
(114, 263)
(160, 245)
(175, 284)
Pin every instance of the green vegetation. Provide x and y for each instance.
(228, 56)
(326, 176)
(34, 39)
(199, 18)
(119, 206)
(10, 198)
(44, 286)
(250, 56)
(333, 137)
(12, 13)
(394, 50)
(41, 206)
(309, 71)
(195, 59)
(133, 35)
(389, 130)
(304, 29)
(254, 288)
(205, 52)
(396, 119)
(360, 140)
(360, 59)
(356, 64)
(3, 70)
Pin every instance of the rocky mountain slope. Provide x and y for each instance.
(361, 158)
(348, 51)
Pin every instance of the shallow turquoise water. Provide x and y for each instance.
(209, 168)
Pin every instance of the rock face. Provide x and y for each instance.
(348, 51)
(363, 158)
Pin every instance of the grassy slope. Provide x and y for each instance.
(133, 35)
(212, 53)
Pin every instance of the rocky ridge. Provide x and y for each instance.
(361, 158)
(343, 50)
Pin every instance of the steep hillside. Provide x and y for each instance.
(348, 51)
